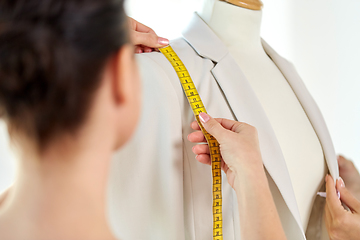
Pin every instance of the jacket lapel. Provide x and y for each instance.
(309, 106)
(244, 104)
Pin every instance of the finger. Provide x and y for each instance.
(346, 197)
(149, 39)
(138, 49)
(196, 137)
(204, 158)
(232, 125)
(144, 49)
(213, 127)
(332, 199)
(226, 123)
(147, 49)
(194, 125)
(201, 149)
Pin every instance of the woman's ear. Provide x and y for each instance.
(124, 75)
(126, 92)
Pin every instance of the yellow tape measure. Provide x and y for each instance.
(197, 106)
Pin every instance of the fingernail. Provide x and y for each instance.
(322, 194)
(326, 177)
(338, 194)
(204, 117)
(341, 181)
(163, 41)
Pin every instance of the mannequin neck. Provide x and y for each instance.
(234, 25)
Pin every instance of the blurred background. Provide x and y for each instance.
(321, 38)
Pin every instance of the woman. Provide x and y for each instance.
(69, 93)
(67, 79)
(144, 39)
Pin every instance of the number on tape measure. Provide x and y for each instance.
(198, 107)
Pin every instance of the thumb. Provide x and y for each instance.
(149, 40)
(212, 126)
(346, 197)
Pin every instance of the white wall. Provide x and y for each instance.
(320, 37)
(346, 129)
(324, 39)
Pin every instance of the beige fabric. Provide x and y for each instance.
(157, 189)
(316, 229)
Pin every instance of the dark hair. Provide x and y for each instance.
(52, 53)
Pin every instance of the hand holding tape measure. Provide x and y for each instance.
(240, 159)
(238, 141)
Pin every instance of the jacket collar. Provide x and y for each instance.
(203, 39)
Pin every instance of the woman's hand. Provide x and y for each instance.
(351, 176)
(340, 223)
(242, 163)
(239, 146)
(144, 38)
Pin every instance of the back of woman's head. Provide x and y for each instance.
(52, 53)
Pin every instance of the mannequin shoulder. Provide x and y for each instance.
(155, 62)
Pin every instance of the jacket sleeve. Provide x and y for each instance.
(145, 195)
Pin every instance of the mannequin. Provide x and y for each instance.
(298, 141)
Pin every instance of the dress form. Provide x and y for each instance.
(239, 29)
